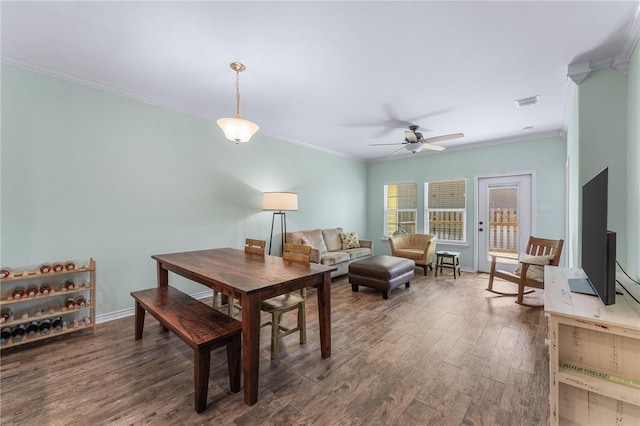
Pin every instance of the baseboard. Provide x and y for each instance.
(129, 312)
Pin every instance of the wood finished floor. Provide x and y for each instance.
(443, 352)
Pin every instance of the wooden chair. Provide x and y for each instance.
(530, 271)
(279, 305)
(252, 246)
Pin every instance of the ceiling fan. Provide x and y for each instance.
(414, 141)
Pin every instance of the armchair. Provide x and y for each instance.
(418, 247)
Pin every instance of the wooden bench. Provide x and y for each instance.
(199, 326)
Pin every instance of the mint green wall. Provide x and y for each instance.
(603, 143)
(544, 156)
(633, 166)
(90, 174)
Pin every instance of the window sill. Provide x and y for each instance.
(453, 243)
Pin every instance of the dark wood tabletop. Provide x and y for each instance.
(252, 278)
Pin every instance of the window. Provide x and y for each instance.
(445, 210)
(400, 208)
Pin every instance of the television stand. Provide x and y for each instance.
(594, 375)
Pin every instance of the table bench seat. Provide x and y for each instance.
(199, 326)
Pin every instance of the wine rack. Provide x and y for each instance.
(58, 297)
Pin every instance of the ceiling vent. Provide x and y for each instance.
(528, 101)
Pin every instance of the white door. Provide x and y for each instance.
(504, 218)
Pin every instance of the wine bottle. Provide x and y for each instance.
(45, 289)
(17, 332)
(45, 327)
(32, 329)
(70, 303)
(17, 293)
(5, 315)
(32, 290)
(57, 324)
(5, 272)
(5, 334)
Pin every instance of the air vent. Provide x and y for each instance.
(528, 101)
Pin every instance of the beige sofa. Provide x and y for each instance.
(326, 248)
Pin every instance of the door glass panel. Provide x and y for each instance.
(503, 222)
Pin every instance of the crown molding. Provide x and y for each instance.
(99, 85)
(313, 147)
(619, 61)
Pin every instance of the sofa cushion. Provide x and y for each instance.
(295, 237)
(356, 253)
(332, 238)
(316, 240)
(349, 240)
(330, 258)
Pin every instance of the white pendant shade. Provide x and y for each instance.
(280, 201)
(238, 129)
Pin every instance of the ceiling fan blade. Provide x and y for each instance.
(443, 138)
(398, 150)
(381, 144)
(410, 136)
(433, 147)
(423, 116)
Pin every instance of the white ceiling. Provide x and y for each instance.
(334, 75)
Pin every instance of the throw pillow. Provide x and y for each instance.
(350, 240)
(304, 241)
(534, 272)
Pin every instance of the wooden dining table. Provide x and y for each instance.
(252, 278)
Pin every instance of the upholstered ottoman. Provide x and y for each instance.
(384, 273)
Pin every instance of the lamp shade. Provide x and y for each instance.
(280, 201)
(237, 129)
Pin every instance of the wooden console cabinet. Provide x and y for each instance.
(594, 354)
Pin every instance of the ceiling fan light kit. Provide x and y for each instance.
(414, 147)
(237, 129)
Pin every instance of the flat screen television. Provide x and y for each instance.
(598, 243)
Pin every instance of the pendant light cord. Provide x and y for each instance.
(237, 94)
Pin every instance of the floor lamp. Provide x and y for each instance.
(280, 202)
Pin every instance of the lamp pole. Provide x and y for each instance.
(283, 228)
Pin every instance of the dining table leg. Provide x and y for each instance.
(163, 275)
(251, 347)
(324, 315)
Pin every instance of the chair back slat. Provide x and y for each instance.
(254, 246)
(544, 247)
(296, 252)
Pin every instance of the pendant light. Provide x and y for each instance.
(236, 129)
